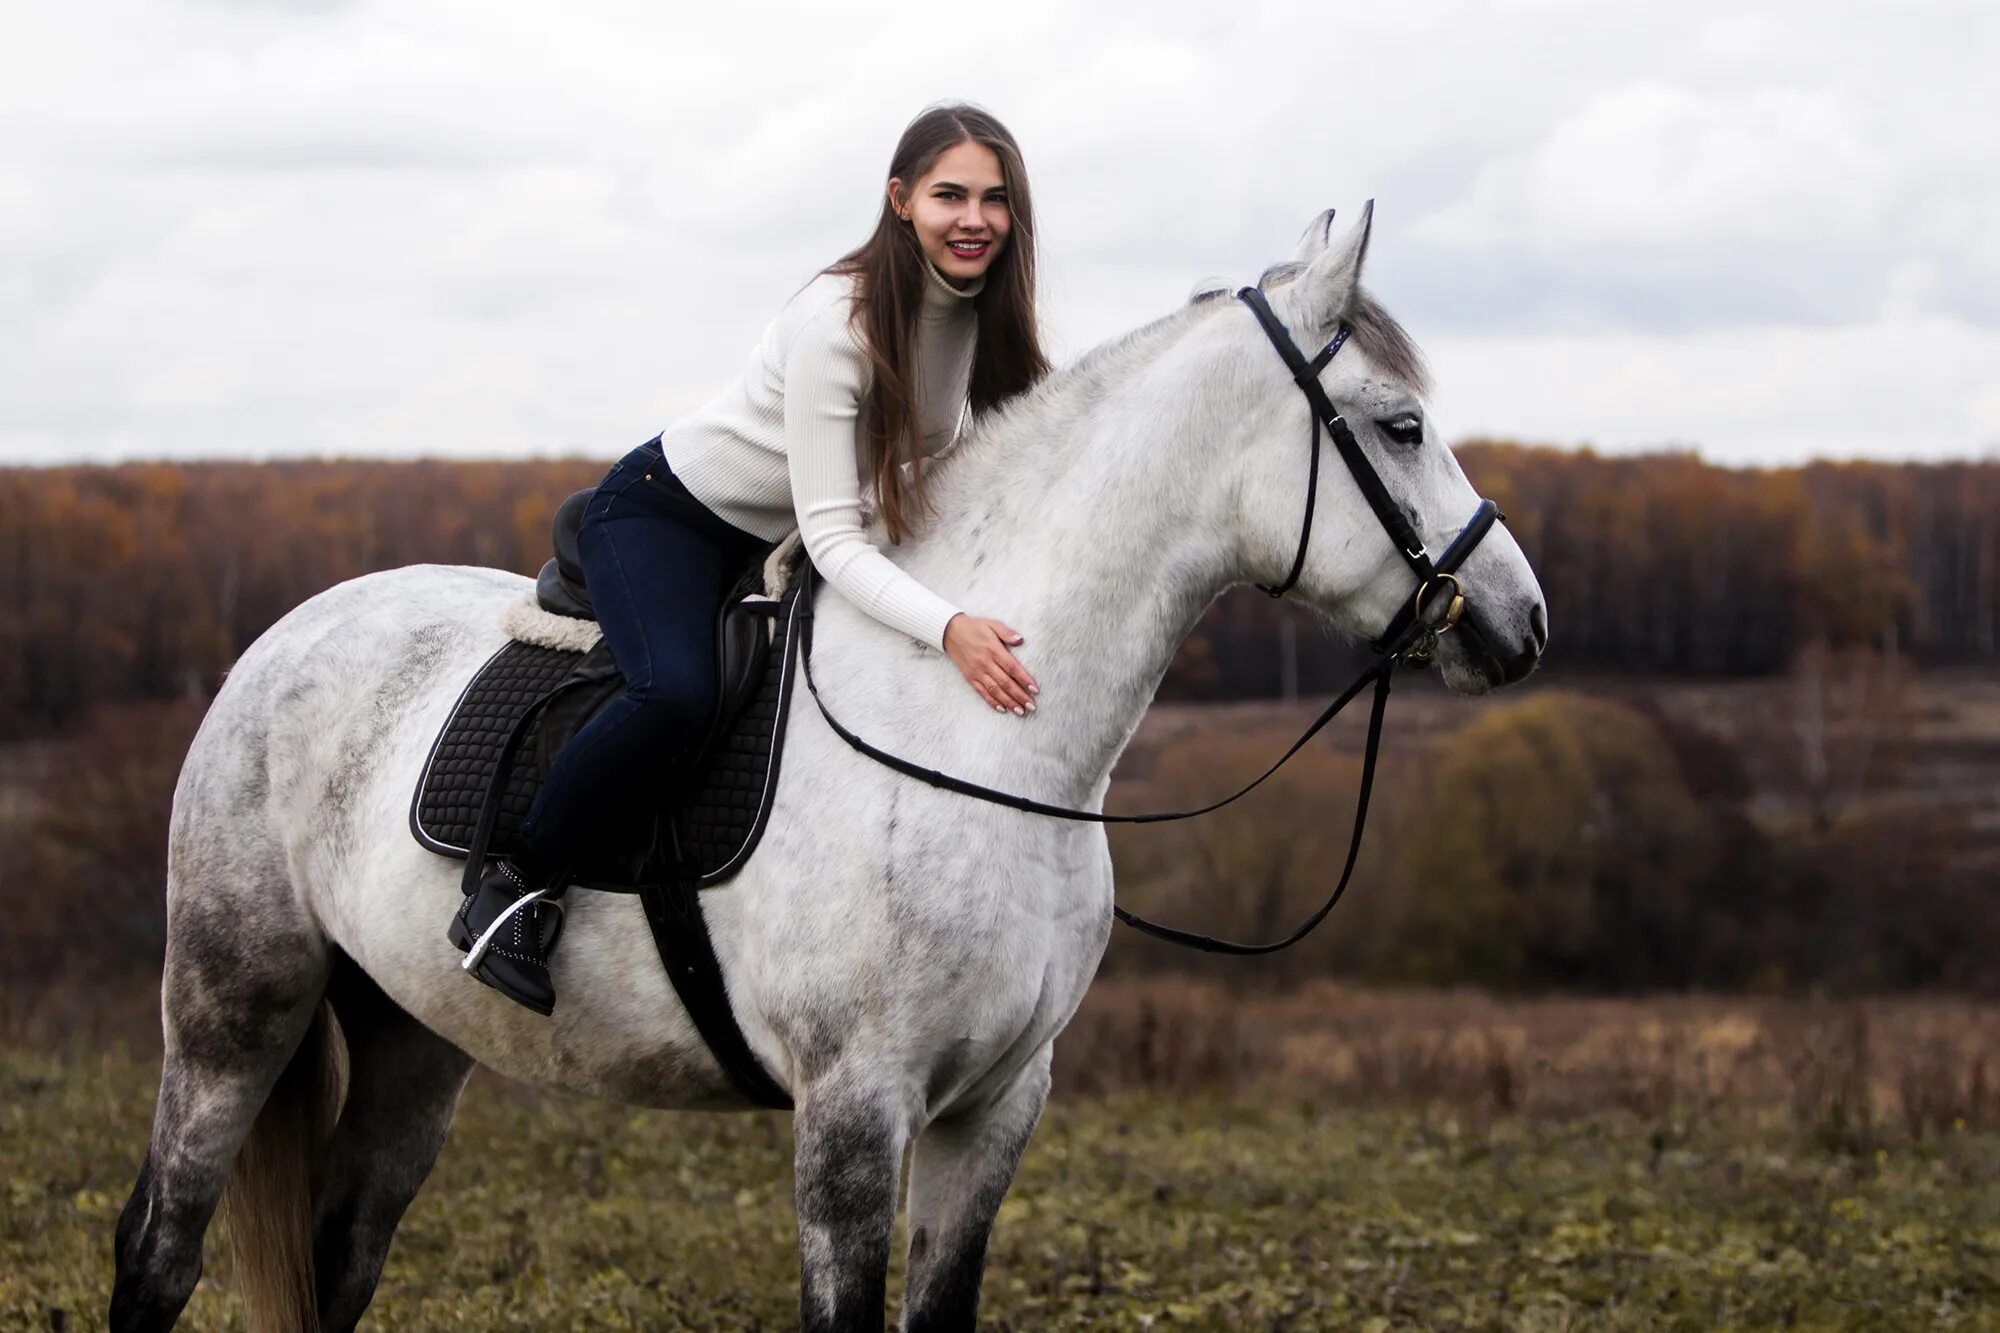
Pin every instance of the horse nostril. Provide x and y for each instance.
(1538, 627)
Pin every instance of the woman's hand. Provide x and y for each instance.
(980, 647)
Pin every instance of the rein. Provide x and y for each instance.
(1411, 634)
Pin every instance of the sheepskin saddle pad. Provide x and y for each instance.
(549, 678)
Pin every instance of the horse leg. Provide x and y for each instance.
(403, 1086)
(247, 1045)
(959, 1173)
(848, 1155)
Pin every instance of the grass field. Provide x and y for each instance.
(1136, 1210)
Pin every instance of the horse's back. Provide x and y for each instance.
(327, 702)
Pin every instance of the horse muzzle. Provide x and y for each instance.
(1477, 655)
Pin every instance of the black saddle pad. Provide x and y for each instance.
(717, 812)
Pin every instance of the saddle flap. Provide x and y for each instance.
(742, 651)
(723, 797)
(593, 682)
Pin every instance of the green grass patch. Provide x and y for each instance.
(1132, 1212)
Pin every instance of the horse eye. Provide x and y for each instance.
(1406, 429)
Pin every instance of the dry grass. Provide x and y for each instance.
(1848, 1071)
(1138, 1210)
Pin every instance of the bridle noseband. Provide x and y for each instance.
(1411, 636)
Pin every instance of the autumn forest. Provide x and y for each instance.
(144, 581)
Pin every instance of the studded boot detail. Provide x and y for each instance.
(506, 929)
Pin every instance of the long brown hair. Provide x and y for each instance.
(888, 273)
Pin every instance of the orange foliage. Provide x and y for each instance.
(145, 580)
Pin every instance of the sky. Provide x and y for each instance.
(266, 228)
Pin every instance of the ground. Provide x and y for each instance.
(1137, 1210)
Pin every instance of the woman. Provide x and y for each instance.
(864, 375)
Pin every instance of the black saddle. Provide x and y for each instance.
(712, 807)
(527, 700)
(559, 587)
(742, 638)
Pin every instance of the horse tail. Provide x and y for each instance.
(269, 1199)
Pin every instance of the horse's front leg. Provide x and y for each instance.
(848, 1154)
(959, 1173)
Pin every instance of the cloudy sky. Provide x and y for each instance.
(250, 228)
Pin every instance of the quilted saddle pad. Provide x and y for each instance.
(719, 818)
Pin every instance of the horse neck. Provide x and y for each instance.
(1089, 517)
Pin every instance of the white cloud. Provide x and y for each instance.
(1744, 37)
(244, 229)
(1917, 387)
(1654, 164)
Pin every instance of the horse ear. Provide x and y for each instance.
(1314, 238)
(1326, 289)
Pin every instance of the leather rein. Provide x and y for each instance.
(1411, 635)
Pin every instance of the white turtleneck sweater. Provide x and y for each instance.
(781, 445)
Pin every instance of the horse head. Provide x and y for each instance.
(1353, 571)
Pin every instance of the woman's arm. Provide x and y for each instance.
(826, 373)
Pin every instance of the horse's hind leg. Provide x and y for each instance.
(403, 1085)
(959, 1173)
(244, 973)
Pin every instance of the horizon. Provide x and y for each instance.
(1990, 457)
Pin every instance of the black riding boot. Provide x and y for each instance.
(515, 959)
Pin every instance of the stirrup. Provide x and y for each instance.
(477, 952)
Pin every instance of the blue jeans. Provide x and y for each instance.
(657, 563)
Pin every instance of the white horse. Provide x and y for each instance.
(899, 957)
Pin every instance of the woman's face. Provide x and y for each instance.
(961, 199)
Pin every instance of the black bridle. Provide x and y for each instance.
(1387, 512)
(1411, 633)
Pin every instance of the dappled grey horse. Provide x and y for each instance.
(899, 957)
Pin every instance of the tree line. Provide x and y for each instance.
(145, 580)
